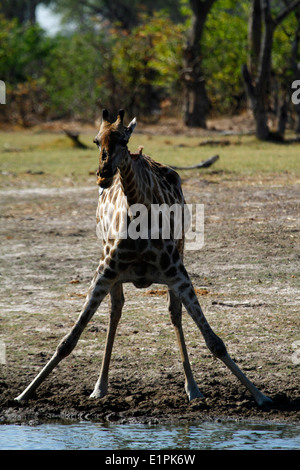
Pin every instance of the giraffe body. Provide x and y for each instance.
(130, 181)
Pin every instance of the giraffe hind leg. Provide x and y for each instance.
(175, 309)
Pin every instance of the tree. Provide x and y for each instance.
(126, 14)
(295, 63)
(196, 103)
(224, 51)
(133, 29)
(73, 81)
(254, 36)
(258, 86)
(23, 10)
(144, 66)
(21, 66)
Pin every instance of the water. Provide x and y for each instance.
(204, 436)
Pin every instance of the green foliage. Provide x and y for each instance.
(102, 64)
(22, 52)
(71, 76)
(126, 14)
(224, 50)
(282, 49)
(147, 62)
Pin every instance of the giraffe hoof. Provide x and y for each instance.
(193, 396)
(193, 393)
(98, 394)
(21, 398)
(264, 401)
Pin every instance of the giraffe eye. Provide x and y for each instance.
(96, 141)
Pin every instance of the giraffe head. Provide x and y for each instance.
(112, 141)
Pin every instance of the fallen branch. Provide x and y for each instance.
(237, 304)
(215, 142)
(74, 136)
(204, 164)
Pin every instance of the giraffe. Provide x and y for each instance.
(126, 179)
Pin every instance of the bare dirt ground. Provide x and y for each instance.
(247, 281)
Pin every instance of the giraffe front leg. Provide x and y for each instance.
(175, 309)
(117, 302)
(98, 290)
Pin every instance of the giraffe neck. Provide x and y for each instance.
(135, 184)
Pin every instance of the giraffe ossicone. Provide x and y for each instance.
(126, 180)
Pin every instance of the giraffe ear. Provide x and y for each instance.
(121, 115)
(129, 130)
(130, 127)
(104, 115)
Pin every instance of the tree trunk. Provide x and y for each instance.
(22, 10)
(297, 130)
(258, 87)
(282, 117)
(261, 123)
(295, 65)
(257, 100)
(254, 36)
(196, 102)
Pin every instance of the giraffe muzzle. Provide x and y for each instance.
(105, 177)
